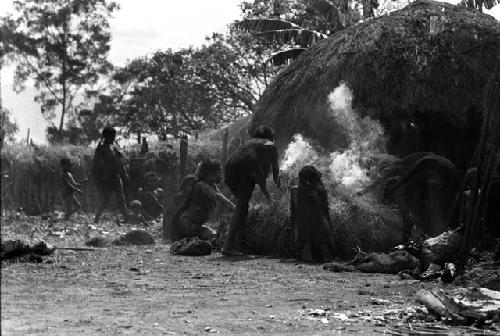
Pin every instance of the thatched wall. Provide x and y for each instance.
(32, 178)
(428, 62)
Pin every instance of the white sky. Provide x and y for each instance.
(138, 28)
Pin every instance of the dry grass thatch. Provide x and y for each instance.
(429, 59)
(358, 223)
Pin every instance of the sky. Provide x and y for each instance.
(138, 28)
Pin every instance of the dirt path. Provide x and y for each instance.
(147, 291)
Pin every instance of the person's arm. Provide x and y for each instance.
(275, 166)
(226, 202)
(123, 168)
(71, 183)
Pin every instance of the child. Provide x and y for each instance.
(250, 165)
(135, 216)
(202, 202)
(150, 196)
(311, 217)
(109, 171)
(70, 186)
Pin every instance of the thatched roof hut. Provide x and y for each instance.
(426, 64)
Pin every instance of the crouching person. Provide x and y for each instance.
(311, 218)
(201, 203)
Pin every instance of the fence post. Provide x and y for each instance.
(183, 153)
(225, 139)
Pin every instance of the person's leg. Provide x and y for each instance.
(237, 223)
(76, 203)
(120, 198)
(105, 193)
(67, 198)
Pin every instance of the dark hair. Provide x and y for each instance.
(309, 176)
(264, 132)
(65, 162)
(135, 205)
(108, 132)
(208, 166)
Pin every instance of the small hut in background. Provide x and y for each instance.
(420, 71)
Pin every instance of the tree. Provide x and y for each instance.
(62, 45)
(9, 126)
(236, 69)
(294, 25)
(480, 4)
(192, 89)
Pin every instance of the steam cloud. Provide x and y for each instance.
(348, 167)
(366, 138)
(298, 154)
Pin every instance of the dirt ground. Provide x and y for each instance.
(137, 290)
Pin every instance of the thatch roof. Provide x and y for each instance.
(430, 59)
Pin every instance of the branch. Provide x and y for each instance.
(40, 76)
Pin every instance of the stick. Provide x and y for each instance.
(76, 248)
(183, 153)
(225, 138)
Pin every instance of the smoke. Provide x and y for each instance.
(366, 137)
(348, 167)
(298, 154)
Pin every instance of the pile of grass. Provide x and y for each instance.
(359, 223)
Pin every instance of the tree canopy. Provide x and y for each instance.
(9, 126)
(62, 45)
(191, 89)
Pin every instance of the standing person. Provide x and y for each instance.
(248, 166)
(144, 146)
(109, 172)
(70, 186)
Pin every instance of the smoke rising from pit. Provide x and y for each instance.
(348, 167)
(298, 154)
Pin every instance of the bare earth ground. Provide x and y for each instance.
(139, 290)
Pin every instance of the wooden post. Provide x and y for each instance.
(225, 139)
(183, 153)
(52, 189)
(28, 138)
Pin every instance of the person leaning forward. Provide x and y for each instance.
(248, 166)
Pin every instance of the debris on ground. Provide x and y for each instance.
(21, 251)
(389, 263)
(135, 237)
(426, 328)
(485, 275)
(462, 305)
(99, 242)
(440, 249)
(191, 247)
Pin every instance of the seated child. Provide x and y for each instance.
(201, 203)
(150, 196)
(135, 214)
